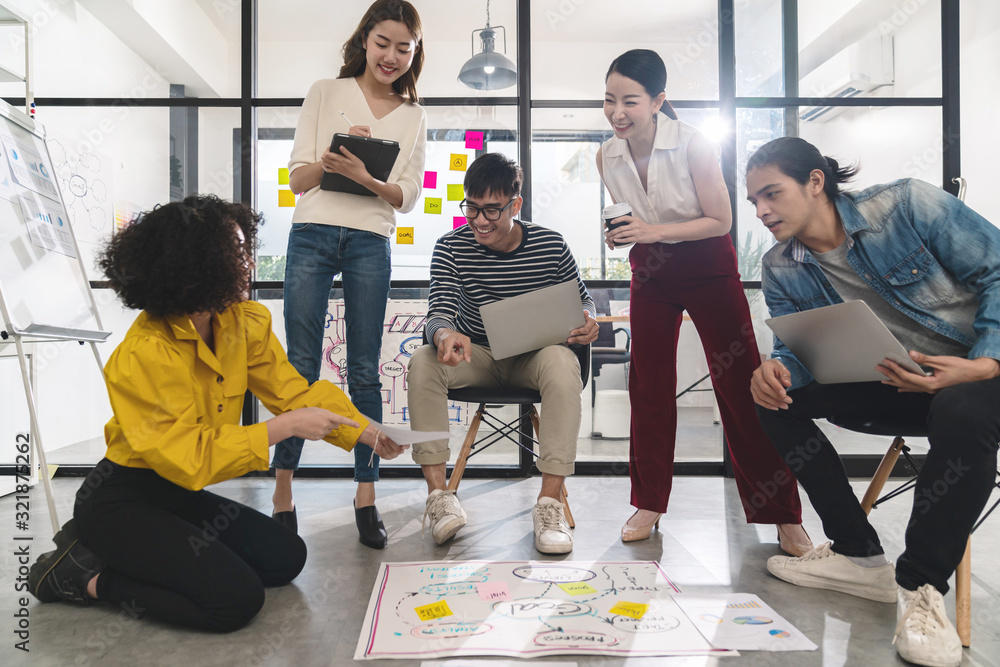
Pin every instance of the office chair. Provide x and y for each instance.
(604, 353)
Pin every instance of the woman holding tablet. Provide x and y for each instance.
(338, 233)
(683, 259)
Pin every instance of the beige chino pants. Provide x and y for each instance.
(553, 371)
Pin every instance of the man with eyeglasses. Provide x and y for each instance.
(493, 257)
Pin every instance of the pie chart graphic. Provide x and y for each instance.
(752, 620)
(779, 633)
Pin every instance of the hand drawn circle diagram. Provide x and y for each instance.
(575, 639)
(535, 608)
(450, 630)
(648, 623)
(553, 574)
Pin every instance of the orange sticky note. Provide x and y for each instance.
(283, 176)
(456, 192)
(630, 609)
(458, 161)
(286, 198)
(432, 205)
(429, 612)
(404, 235)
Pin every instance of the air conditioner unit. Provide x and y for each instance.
(868, 64)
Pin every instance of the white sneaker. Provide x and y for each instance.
(823, 568)
(552, 534)
(924, 635)
(446, 514)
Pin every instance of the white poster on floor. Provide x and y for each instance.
(743, 622)
(525, 609)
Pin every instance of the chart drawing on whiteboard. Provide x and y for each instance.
(525, 609)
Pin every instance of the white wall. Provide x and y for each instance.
(981, 105)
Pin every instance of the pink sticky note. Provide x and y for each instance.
(458, 221)
(474, 140)
(493, 590)
(430, 179)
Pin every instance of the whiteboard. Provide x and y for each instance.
(43, 286)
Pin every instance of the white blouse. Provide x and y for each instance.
(670, 195)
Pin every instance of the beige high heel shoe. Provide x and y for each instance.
(636, 533)
(791, 544)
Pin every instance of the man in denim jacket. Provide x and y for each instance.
(929, 267)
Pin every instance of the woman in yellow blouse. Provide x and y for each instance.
(145, 534)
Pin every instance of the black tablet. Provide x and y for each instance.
(378, 155)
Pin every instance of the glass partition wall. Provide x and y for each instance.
(868, 80)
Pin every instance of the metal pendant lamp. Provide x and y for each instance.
(488, 70)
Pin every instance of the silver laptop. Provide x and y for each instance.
(534, 320)
(841, 343)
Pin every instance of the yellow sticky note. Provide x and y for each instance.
(404, 235)
(577, 588)
(630, 609)
(429, 612)
(458, 161)
(432, 205)
(456, 192)
(283, 176)
(286, 198)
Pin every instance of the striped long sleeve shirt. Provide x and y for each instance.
(466, 275)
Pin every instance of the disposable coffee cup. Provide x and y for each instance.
(612, 213)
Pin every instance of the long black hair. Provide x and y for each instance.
(797, 158)
(354, 48)
(645, 67)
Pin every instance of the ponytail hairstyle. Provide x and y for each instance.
(646, 68)
(797, 158)
(354, 48)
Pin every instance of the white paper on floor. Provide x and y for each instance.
(742, 622)
(525, 609)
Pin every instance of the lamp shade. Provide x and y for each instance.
(488, 70)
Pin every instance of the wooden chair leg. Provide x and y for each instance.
(963, 596)
(470, 438)
(882, 474)
(563, 496)
(533, 415)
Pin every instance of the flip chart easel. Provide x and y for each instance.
(45, 297)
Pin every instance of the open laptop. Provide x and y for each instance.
(841, 343)
(534, 320)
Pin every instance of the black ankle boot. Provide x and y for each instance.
(371, 531)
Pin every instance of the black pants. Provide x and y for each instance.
(191, 558)
(962, 424)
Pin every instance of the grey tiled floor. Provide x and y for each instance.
(704, 545)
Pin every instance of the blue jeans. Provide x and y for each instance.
(316, 254)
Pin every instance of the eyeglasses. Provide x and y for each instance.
(491, 213)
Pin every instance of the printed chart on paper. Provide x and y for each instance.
(525, 609)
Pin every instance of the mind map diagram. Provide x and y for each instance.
(525, 609)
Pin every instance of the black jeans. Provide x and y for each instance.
(962, 424)
(191, 558)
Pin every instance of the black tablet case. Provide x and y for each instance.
(379, 155)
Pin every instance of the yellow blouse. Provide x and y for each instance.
(177, 404)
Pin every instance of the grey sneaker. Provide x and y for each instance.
(446, 514)
(63, 574)
(552, 534)
(824, 568)
(924, 634)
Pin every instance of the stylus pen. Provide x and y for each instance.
(346, 118)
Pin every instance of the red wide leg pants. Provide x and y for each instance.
(701, 278)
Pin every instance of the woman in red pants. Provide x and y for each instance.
(683, 259)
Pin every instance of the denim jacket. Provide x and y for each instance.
(915, 245)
